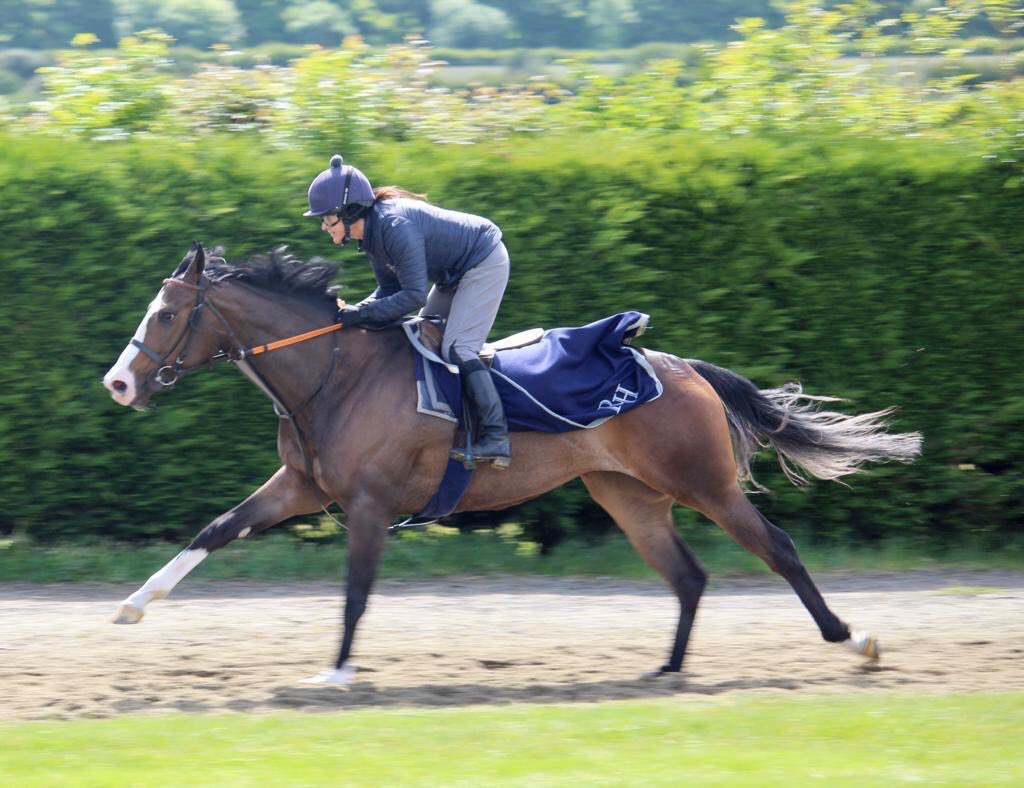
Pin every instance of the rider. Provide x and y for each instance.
(409, 243)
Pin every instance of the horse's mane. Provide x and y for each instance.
(278, 271)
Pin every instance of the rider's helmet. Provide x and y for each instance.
(341, 190)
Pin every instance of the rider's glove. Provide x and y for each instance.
(349, 316)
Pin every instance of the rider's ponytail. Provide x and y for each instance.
(395, 192)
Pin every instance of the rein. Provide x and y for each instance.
(241, 352)
(317, 332)
(169, 374)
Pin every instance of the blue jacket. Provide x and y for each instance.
(411, 243)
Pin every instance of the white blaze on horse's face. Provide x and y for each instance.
(120, 380)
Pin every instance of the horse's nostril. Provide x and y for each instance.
(119, 386)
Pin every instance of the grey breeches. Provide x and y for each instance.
(471, 308)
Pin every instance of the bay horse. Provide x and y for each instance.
(350, 433)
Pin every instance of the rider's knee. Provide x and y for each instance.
(463, 356)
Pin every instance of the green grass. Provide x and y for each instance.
(967, 740)
(439, 552)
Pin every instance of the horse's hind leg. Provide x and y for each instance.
(645, 515)
(753, 531)
(286, 494)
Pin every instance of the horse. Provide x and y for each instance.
(349, 433)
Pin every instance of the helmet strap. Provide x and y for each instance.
(344, 205)
(344, 193)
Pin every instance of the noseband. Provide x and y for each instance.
(169, 374)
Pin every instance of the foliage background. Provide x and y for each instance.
(886, 273)
(44, 24)
(776, 208)
(577, 24)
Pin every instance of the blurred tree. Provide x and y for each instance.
(788, 213)
(464, 23)
(542, 23)
(1005, 16)
(530, 23)
(262, 19)
(980, 17)
(9, 82)
(45, 24)
(198, 23)
(326, 22)
(412, 13)
(382, 26)
(318, 22)
(106, 97)
(696, 20)
(611, 22)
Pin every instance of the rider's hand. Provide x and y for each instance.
(349, 316)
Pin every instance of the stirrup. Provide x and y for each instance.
(500, 455)
(470, 459)
(459, 454)
(499, 462)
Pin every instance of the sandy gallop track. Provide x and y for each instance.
(225, 647)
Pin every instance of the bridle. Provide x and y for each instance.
(167, 375)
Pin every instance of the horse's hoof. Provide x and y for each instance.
(863, 643)
(664, 670)
(341, 677)
(128, 614)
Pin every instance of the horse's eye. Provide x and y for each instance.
(166, 317)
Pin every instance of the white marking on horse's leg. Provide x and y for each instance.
(244, 532)
(159, 585)
(332, 678)
(861, 642)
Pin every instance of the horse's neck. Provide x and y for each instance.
(293, 372)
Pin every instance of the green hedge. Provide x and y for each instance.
(885, 273)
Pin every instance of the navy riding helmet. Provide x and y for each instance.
(341, 190)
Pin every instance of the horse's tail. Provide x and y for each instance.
(823, 443)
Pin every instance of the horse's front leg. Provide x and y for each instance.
(286, 494)
(367, 535)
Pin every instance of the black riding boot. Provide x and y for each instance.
(492, 444)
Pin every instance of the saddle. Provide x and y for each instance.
(427, 334)
(431, 332)
(549, 381)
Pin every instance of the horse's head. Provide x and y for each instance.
(171, 339)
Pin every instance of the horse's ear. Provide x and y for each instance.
(198, 261)
(192, 265)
